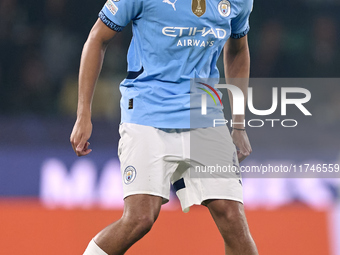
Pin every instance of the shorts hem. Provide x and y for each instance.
(186, 207)
(165, 199)
(223, 197)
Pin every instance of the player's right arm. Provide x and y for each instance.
(90, 66)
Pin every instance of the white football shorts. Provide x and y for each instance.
(200, 163)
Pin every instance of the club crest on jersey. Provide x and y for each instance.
(129, 174)
(224, 8)
(111, 6)
(198, 7)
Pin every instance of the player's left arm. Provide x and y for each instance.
(237, 67)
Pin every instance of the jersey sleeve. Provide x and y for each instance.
(240, 24)
(116, 14)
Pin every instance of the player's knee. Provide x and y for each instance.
(145, 223)
(231, 220)
(229, 215)
(141, 224)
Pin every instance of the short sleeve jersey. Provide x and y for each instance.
(173, 42)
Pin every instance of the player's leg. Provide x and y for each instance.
(230, 219)
(140, 212)
(141, 152)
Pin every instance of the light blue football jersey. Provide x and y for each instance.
(173, 42)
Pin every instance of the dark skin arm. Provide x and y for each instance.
(90, 67)
(237, 65)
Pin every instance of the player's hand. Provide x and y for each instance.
(81, 132)
(240, 139)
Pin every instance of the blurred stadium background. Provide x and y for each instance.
(52, 202)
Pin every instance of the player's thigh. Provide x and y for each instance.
(142, 152)
(213, 153)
